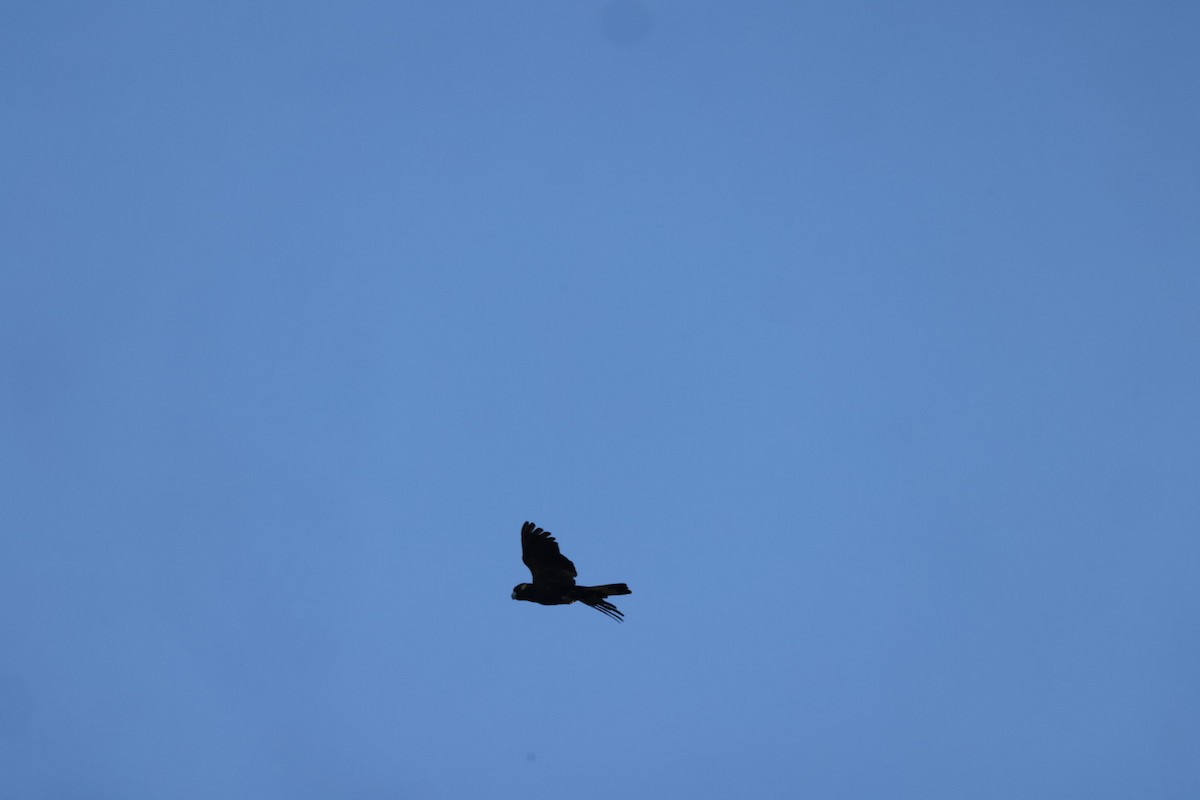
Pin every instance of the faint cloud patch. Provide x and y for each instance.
(625, 23)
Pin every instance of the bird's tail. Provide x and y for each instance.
(609, 589)
(594, 596)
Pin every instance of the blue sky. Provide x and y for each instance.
(860, 339)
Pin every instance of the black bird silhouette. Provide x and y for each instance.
(554, 576)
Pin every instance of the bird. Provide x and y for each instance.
(554, 576)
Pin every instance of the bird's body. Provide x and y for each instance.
(554, 576)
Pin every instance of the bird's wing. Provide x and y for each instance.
(540, 553)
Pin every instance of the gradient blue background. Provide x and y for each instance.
(861, 339)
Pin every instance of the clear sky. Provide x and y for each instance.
(861, 339)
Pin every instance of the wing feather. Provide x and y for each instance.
(546, 562)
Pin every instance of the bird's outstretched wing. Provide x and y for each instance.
(540, 553)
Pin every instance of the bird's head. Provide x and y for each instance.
(519, 591)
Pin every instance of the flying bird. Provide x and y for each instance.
(554, 576)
